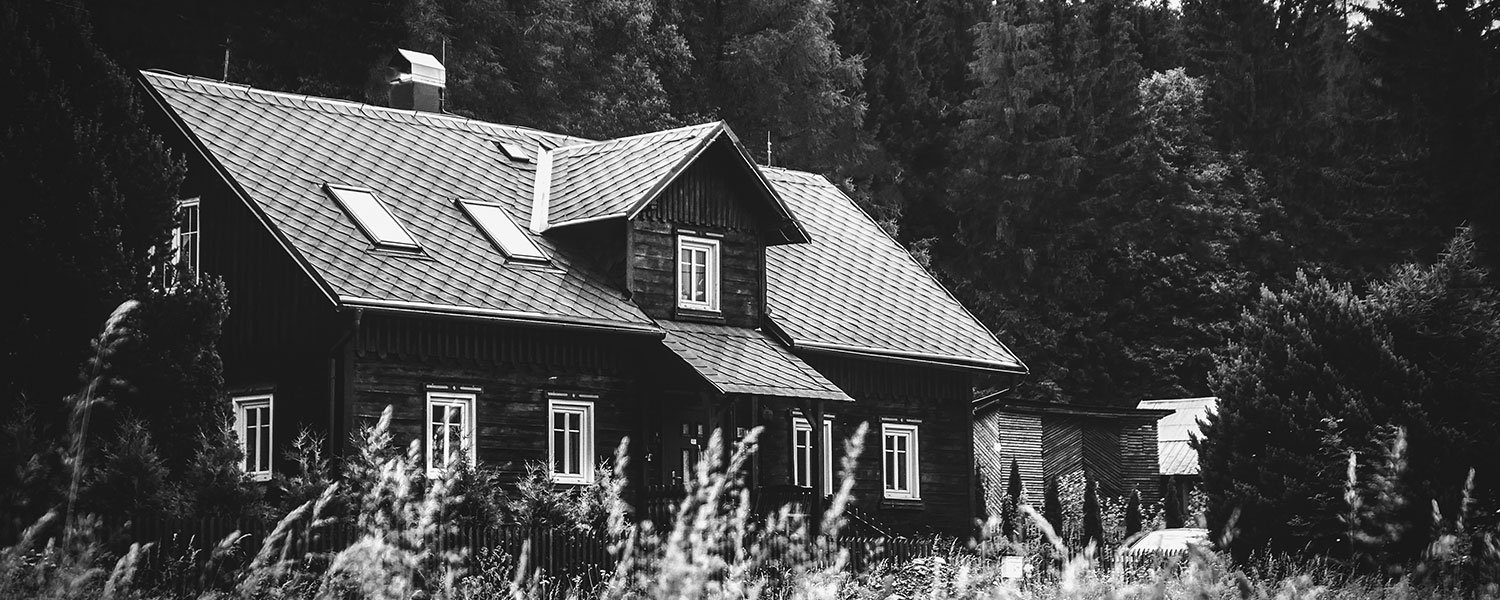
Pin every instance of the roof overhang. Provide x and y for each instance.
(907, 357)
(997, 402)
(734, 360)
(528, 319)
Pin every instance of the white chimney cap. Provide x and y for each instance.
(423, 68)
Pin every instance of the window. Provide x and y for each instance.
(900, 460)
(450, 430)
(185, 237)
(697, 273)
(372, 218)
(502, 231)
(802, 453)
(570, 445)
(513, 151)
(252, 426)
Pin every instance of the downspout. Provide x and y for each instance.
(336, 364)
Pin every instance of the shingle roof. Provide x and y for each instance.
(852, 289)
(855, 289)
(1173, 432)
(598, 180)
(281, 149)
(617, 178)
(744, 361)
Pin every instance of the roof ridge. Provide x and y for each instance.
(364, 109)
(632, 137)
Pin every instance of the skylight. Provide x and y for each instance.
(513, 151)
(373, 218)
(502, 231)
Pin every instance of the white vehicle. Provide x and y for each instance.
(1170, 540)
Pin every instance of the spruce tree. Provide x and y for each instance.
(1011, 509)
(1328, 371)
(1133, 513)
(1093, 522)
(1052, 508)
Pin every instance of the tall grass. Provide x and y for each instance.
(715, 547)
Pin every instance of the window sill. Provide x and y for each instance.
(571, 480)
(260, 477)
(903, 503)
(701, 316)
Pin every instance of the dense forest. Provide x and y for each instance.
(1107, 184)
(1291, 204)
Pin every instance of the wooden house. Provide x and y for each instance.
(1114, 447)
(524, 296)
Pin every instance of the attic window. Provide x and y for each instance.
(502, 231)
(373, 218)
(514, 151)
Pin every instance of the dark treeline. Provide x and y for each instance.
(1107, 183)
(1245, 197)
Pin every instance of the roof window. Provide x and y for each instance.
(372, 217)
(514, 151)
(502, 231)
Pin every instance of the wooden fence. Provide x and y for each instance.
(179, 562)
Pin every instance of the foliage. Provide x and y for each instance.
(1133, 513)
(1320, 373)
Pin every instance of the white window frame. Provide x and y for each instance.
(710, 247)
(341, 195)
(495, 223)
(465, 402)
(583, 407)
(800, 462)
(913, 485)
(197, 233)
(250, 465)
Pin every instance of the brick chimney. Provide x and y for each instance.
(419, 82)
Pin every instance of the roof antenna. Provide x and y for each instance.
(226, 60)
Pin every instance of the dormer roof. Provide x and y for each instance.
(618, 178)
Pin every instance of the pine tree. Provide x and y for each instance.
(99, 189)
(1093, 522)
(1433, 64)
(772, 67)
(1052, 508)
(1010, 507)
(1328, 371)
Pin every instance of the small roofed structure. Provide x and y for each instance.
(1175, 452)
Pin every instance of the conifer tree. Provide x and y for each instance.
(1052, 508)
(1328, 371)
(1133, 513)
(1093, 522)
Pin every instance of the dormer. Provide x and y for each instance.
(697, 212)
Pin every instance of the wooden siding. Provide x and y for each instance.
(513, 369)
(704, 201)
(281, 332)
(1119, 454)
(1101, 454)
(704, 197)
(1139, 465)
(999, 438)
(1062, 446)
(654, 272)
(533, 348)
(939, 399)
